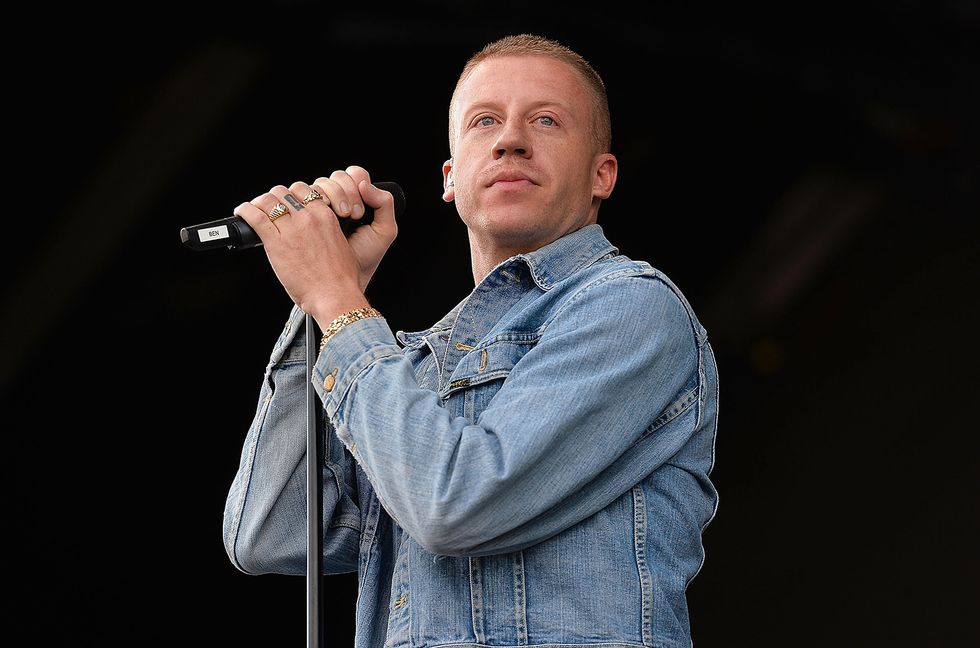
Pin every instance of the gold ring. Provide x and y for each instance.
(277, 211)
(313, 195)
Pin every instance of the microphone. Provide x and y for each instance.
(235, 234)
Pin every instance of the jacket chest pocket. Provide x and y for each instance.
(481, 372)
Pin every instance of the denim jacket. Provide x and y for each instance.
(532, 470)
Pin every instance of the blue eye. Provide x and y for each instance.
(546, 120)
(486, 121)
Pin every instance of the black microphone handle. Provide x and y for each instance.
(236, 234)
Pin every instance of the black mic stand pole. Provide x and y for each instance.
(314, 501)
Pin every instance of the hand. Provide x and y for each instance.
(347, 192)
(323, 272)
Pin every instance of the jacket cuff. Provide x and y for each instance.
(346, 354)
(290, 343)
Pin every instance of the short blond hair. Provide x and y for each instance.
(532, 45)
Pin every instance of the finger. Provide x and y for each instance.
(315, 200)
(306, 193)
(258, 220)
(338, 196)
(317, 204)
(359, 175)
(265, 205)
(334, 196)
(352, 196)
(293, 204)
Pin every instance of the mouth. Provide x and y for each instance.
(512, 184)
(511, 180)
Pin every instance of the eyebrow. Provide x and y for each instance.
(481, 105)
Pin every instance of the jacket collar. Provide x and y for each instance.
(560, 259)
(548, 265)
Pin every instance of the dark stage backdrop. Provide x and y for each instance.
(808, 178)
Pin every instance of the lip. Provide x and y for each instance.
(511, 184)
(511, 180)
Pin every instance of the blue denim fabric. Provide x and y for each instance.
(532, 470)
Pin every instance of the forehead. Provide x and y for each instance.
(505, 79)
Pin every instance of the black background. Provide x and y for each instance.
(808, 178)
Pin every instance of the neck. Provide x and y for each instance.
(485, 257)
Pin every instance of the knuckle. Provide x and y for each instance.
(340, 177)
(297, 186)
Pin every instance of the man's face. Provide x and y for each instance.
(525, 165)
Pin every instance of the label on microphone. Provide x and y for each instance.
(212, 233)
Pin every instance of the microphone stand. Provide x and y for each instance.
(235, 234)
(314, 502)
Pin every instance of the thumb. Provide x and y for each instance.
(383, 204)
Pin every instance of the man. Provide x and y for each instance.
(534, 468)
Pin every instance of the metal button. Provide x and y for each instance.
(329, 381)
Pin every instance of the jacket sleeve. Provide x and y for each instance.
(265, 511)
(567, 432)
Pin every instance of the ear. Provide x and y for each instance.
(604, 178)
(449, 193)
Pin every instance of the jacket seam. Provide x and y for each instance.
(355, 372)
(247, 482)
(628, 273)
(643, 569)
(714, 436)
(345, 524)
(674, 410)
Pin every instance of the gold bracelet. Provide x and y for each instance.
(347, 318)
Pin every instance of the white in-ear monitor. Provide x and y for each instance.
(449, 179)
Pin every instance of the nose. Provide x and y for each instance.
(513, 140)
